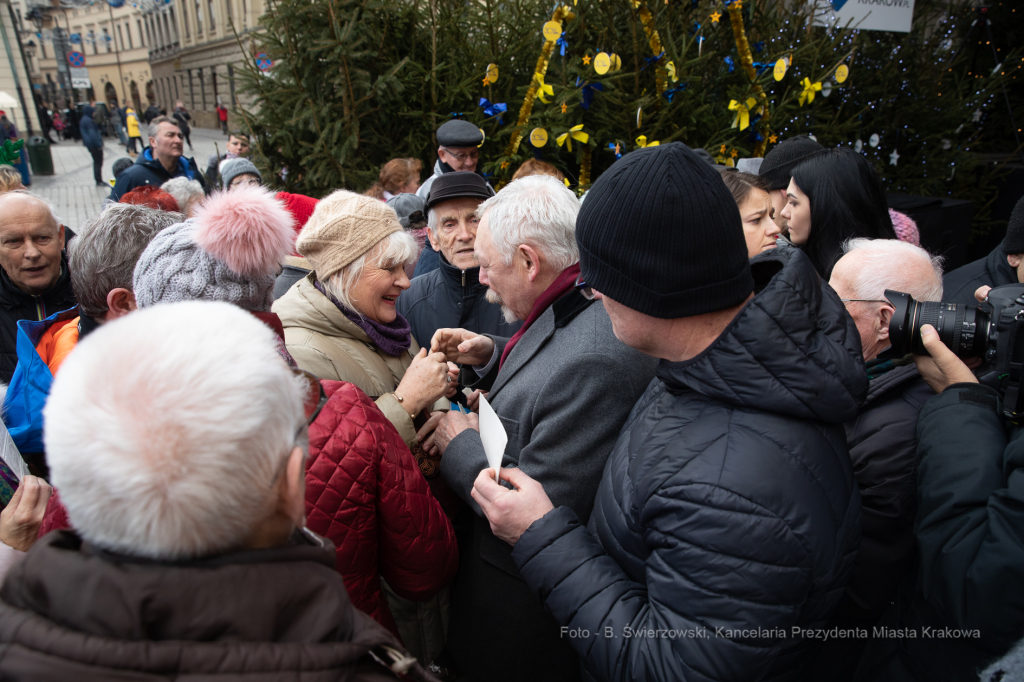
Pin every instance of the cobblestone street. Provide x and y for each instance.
(74, 192)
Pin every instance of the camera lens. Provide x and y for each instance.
(962, 328)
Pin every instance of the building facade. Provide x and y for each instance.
(14, 74)
(198, 48)
(111, 39)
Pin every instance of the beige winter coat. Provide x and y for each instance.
(325, 342)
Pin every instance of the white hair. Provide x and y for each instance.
(884, 267)
(42, 200)
(537, 210)
(184, 191)
(166, 430)
(397, 247)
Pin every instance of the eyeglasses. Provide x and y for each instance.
(314, 399)
(865, 300)
(462, 156)
(585, 289)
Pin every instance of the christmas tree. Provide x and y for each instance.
(357, 83)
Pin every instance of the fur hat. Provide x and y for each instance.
(230, 251)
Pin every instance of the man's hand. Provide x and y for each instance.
(982, 293)
(941, 368)
(473, 400)
(426, 433)
(20, 521)
(452, 425)
(463, 347)
(510, 512)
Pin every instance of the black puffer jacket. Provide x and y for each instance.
(451, 298)
(16, 305)
(959, 285)
(728, 501)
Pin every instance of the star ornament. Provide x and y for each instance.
(487, 81)
(721, 149)
(565, 107)
(733, 153)
(504, 165)
(773, 138)
(586, 60)
(894, 157)
(715, 16)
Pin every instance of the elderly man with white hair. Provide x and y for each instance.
(562, 386)
(177, 437)
(35, 281)
(883, 435)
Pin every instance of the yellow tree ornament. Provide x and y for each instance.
(602, 62)
(642, 142)
(807, 96)
(539, 137)
(575, 133)
(742, 112)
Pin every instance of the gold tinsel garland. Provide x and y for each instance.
(656, 49)
(584, 179)
(747, 60)
(560, 14)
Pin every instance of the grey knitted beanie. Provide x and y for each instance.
(235, 167)
(231, 251)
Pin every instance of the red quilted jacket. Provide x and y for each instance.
(365, 492)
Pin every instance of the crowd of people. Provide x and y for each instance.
(255, 430)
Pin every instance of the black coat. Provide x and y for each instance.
(728, 501)
(969, 534)
(959, 285)
(883, 448)
(451, 298)
(16, 305)
(148, 171)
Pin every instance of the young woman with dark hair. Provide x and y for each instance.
(835, 196)
(751, 195)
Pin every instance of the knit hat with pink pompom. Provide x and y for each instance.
(231, 251)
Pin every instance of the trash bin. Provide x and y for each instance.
(39, 155)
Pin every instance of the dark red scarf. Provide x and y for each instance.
(563, 283)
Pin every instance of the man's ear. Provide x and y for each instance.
(120, 302)
(884, 316)
(1014, 259)
(529, 259)
(433, 240)
(293, 493)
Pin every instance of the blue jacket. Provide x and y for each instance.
(148, 171)
(30, 386)
(727, 502)
(91, 137)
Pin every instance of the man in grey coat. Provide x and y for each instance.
(562, 386)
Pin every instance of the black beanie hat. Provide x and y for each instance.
(779, 163)
(661, 234)
(1014, 242)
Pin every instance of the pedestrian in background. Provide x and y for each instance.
(222, 116)
(181, 116)
(132, 123)
(93, 141)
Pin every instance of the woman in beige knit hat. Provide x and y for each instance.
(340, 321)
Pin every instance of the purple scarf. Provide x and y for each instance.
(392, 339)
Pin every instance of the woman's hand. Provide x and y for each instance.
(424, 382)
(20, 521)
(463, 347)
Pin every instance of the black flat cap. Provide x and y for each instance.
(459, 133)
(778, 164)
(458, 185)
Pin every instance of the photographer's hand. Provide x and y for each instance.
(941, 368)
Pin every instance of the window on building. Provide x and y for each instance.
(228, 11)
(199, 17)
(245, 15)
(142, 36)
(177, 96)
(120, 37)
(92, 39)
(184, 21)
(191, 91)
(173, 33)
(128, 32)
(42, 48)
(213, 15)
(231, 86)
(202, 88)
(213, 85)
(107, 39)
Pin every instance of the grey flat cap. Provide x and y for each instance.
(458, 133)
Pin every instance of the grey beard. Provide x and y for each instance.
(492, 297)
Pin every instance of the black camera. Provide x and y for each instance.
(992, 331)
